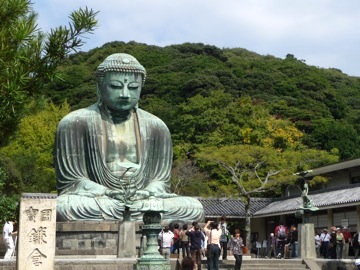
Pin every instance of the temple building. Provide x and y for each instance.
(338, 201)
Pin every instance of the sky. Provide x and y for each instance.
(323, 33)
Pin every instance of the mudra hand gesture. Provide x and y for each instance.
(145, 194)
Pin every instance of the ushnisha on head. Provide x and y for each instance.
(120, 62)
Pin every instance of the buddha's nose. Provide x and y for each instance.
(124, 93)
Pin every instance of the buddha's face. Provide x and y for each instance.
(120, 91)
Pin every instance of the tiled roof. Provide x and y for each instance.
(231, 207)
(332, 198)
(323, 199)
(342, 165)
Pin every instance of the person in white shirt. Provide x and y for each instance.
(213, 232)
(325, 240)
(8, 232)
(317, 244)
(166, 240)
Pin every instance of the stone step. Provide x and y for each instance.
(262, 267)
(268, 264)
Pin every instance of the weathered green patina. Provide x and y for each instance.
(151, 258)
(110, 156)
(307, 206)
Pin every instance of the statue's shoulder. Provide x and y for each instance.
(146, 118)
(80, 115)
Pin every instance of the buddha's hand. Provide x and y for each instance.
(165, 195)
(141, 195)
(115, 194)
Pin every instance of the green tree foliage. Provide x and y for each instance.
(219, 119)
(330, 134)
(251, 170)
(29, 57)
(9, 208)
(201, 116)
(179, 76)
(9, 199)
(27, 161)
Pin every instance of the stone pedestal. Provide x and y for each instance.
(37, 229)
(306, 239)
(83, 238)
(88, 238)
(127, 240)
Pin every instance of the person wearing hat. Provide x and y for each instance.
(347, 238)
(332, 249)
(324, 242)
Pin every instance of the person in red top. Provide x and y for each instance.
(281, 233)
(176, 245)
(347, 238)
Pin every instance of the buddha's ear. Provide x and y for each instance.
(98, 92)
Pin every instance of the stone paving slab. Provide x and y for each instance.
(112, 263)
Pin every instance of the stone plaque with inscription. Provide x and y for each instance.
(37, 231)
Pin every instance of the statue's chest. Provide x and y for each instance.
(120, 145)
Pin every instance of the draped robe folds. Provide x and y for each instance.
(83, 177)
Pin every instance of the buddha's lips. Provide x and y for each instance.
(123, 102)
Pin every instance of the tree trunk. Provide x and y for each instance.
(247, 223)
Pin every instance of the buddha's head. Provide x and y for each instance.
(119, 82)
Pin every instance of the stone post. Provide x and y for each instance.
(127, 240)
(37, 232)
(306, 241)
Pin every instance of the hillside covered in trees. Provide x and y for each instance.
(210, 98)
(324, 104)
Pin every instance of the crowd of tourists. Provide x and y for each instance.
(193, 243)
(214, 240)
(333, 244)
(211, 242)
(336, 243)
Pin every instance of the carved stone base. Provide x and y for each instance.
(153, 265)
(91, 238)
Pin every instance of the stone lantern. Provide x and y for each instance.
(151, 258)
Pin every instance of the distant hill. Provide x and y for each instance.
(323, 103)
